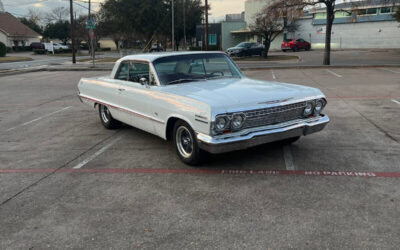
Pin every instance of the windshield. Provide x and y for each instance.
(194, 67)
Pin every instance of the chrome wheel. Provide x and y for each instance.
(105, 114)
(184, 142)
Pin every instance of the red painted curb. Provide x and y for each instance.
(207, 171)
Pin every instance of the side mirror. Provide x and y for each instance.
(143, 81)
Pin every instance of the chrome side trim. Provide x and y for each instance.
(120, 108)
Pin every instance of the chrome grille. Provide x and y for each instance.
(270, 116)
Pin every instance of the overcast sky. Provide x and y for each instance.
(20, 7)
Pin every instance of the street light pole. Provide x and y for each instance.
(173, 26)
(71, 10)
(184, 24)
(206, 24)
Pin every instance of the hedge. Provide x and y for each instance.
(3, 50)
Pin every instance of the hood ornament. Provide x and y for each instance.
(276, 101)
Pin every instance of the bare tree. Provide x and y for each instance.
(275, 19)
(330, 17)
(268, 26)
(57, 15)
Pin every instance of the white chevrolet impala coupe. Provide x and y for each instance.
(202, 102)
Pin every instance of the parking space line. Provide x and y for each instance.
(333, 73)
(313, 173)
(396, 101)
(39, 118)
(392, 71)
(273, 74)
(97, 153)
(288, 157)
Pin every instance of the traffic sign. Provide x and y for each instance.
(90, 25)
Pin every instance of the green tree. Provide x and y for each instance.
(58, 30)
(31, 23)
(138, 17)
(188, 13)
(144, 20)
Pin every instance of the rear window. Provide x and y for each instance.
(287, 40)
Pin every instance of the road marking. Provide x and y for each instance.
(288, 157)
(333, 73)
(273, 74)
(97, 153)
(315, 173)
(39, 118)
(396, 101)
(393, 71)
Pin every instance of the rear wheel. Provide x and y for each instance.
(106, 118)
(186, 144)
(295, 48)
(284, 50)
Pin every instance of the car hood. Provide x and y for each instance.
(231, 94)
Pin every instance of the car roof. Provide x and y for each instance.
(154, 56)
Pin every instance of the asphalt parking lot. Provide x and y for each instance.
(66, 182)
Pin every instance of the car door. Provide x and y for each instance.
(253, 49)
(136, 96)
(301, 43)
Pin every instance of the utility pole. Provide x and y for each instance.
(173, 26)
(91, 35)
(71, 12)
(184, 23)
(206, 24)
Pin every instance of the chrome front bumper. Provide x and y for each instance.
(262, 135)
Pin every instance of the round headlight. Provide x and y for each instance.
(237, 121)
(221, 123)
(308, 109)
(318, 107)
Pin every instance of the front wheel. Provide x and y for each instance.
(186, 144)
(106, 118)
(290, 140)
(308, 47)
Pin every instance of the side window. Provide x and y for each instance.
(138, 70)
(122, 73)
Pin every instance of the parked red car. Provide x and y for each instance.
(295, 45)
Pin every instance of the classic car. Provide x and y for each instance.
(202, 102)
(246, 49)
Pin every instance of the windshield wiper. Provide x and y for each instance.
(184, 80)
(217, 77)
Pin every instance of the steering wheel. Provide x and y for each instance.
(214, 73)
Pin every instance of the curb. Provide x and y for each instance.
(319, 67)
(16, 72)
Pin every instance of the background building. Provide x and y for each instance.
(15, 34)
(366, 24)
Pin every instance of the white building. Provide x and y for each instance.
(363, 24)
(13, 33)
